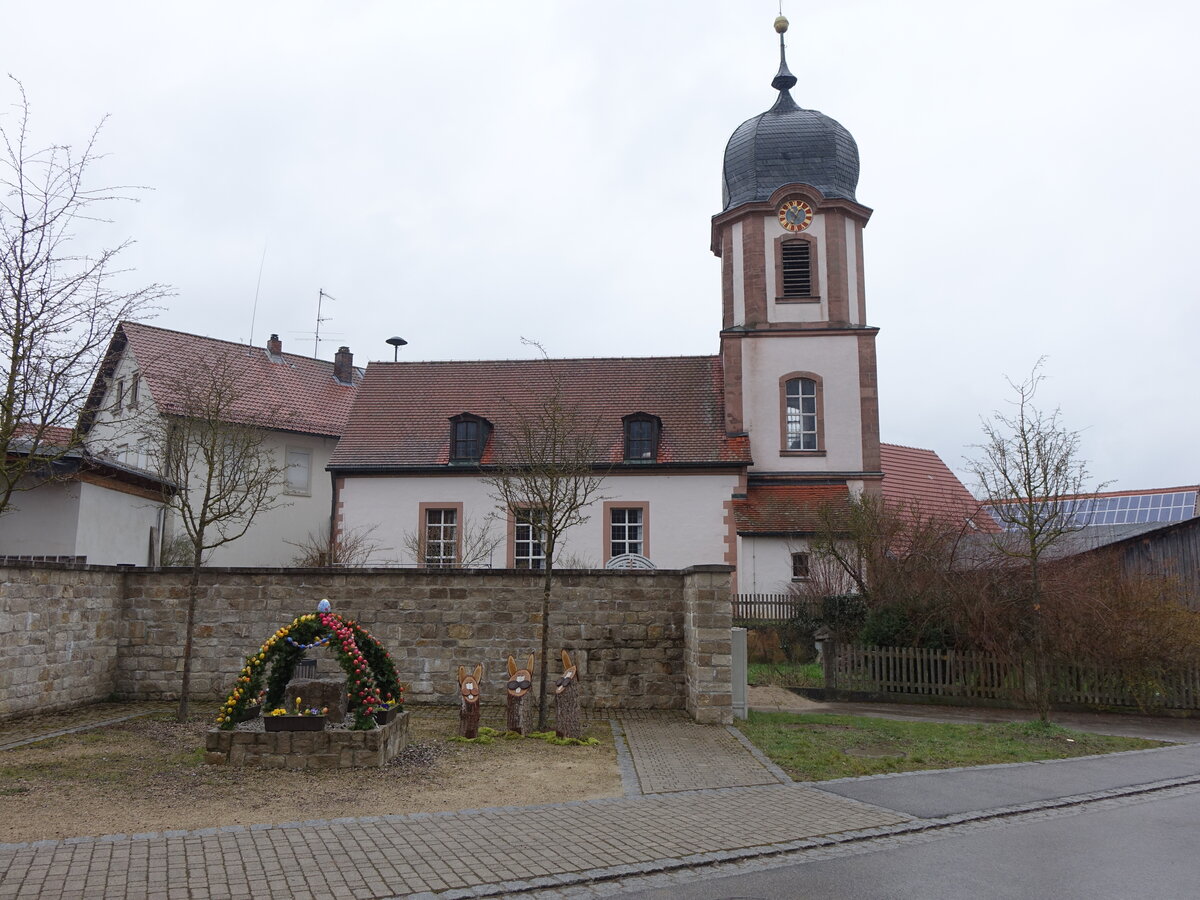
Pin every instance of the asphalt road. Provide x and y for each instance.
(1143, 846)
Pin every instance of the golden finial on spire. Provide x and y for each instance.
(781, 24)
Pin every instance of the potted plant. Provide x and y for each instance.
(303, 719)
(391, 707)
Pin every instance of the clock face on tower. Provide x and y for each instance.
(795, 215)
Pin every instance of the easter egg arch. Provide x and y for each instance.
(371, 681)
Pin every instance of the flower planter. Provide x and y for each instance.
(250, 712)
(294, 723)
(384, 716)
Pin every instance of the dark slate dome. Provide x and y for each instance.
(788, 144)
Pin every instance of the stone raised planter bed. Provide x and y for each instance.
(294, 723)
(329, 749)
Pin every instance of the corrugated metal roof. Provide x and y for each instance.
(401, 417)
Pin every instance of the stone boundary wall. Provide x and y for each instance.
(59, 630)
(708, 651)
(123, 629)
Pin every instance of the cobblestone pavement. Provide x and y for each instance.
(671, 753)
(466, 853)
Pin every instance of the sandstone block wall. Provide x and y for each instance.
(94, 631)
(708, 654)
(59, 630)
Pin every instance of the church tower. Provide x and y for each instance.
(797, 353)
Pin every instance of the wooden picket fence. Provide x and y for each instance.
(768, 609)
(968, 675)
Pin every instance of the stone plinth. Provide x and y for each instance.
(329, 749)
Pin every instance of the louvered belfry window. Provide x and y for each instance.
(797, 269)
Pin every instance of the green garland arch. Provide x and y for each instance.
(371, 681)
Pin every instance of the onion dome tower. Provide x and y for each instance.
(798, 354)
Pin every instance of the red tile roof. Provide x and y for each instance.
(918, 478)
(294, 393)
(401, 417)
(787, 508)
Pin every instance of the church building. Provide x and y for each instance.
(713, 459)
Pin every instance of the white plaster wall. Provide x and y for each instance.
(41, 522)
(739, 270)
(796, 312)
(274, 532)
(765, 564)
(686, 515)
(113, 429)
(114, 527)
(835, 359)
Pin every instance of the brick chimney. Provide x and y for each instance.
(343, 366)
(274, 346)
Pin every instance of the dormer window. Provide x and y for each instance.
(641, 437)
(468, 437)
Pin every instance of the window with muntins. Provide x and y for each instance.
(801, 414)
(800, 571)
(797, 269)
(528, 552)
(625, 532)
(441, 538)
(641, 437)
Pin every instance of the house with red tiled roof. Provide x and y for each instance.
(300, 402)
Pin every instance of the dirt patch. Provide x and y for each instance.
(148, 775)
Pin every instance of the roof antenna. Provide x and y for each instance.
(321, 296)
(257, 287)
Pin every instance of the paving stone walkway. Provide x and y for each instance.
(667, 818)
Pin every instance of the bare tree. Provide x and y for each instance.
(352, 548)
(1028, 469)
(477, 544)
(549, 472)
(226, 471)
(58, 306)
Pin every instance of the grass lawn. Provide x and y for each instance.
(820, 747)
(786, 674)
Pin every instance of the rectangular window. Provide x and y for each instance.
(801, 414)
(134, 382)
(800, 567)
(467, 440)
(118, 395)
(441, 538)
(528, 552)
(299, 471)
(641, 439)
(625, 532)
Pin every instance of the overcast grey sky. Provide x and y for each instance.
(466, 174)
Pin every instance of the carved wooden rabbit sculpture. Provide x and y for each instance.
(468, 690)
(520, 696)
(567, 721)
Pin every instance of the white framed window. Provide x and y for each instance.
(118, 395)
(625, 531)
(440, 546)
(298, 477)
(134, 390)
(801, 406)
(528, 552)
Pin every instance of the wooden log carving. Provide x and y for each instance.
(520, 696)
(468, 690)
(567, 721)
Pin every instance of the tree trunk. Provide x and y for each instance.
(193, 592)
(546, 582)
(568, 723)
